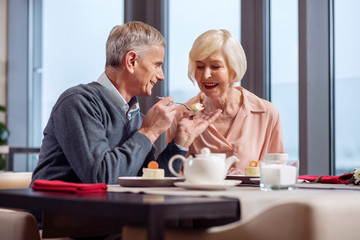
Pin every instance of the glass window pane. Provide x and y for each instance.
(74, 36)
(347, 85)
(70, 43)
(187, 20)
(284, 70)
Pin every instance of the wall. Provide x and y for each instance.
(3, 54)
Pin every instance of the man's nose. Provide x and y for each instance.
(160, 75)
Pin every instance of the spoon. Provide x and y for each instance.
(186, 106)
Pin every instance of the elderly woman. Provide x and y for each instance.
(249, 126)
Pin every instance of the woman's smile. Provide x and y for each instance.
(210, 85)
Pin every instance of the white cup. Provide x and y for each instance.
(278, 173)
(209, 170)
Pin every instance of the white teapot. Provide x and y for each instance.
(205, 167)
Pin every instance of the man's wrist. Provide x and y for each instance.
(148, 134)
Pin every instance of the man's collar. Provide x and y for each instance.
(131, 108)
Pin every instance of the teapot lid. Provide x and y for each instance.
(205, 152)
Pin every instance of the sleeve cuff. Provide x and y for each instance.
(181, 147)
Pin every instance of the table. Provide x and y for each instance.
(335, 208)
(131, 208)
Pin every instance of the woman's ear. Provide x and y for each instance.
(233, 75)
(130, 60)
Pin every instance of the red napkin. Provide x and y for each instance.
(61, 186)
(342, 179)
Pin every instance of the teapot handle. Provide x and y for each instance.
(182, 158)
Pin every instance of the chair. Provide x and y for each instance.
(12, 180)
(17, 225)
(281, 222)
(55, 226)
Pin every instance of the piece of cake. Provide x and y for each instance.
(197, 107)
(252, 170)
(153, 171)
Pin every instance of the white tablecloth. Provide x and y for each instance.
(336, 208)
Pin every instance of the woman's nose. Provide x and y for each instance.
(207, 73)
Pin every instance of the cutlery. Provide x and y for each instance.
(317, 180)
(187, 107)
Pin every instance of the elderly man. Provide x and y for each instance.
(96, 132)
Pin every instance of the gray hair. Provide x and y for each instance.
(213, 40)
(132, 36)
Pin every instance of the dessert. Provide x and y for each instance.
(253, 169)
(197, 107)
(153, 171)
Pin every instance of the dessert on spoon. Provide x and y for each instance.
(196, 107)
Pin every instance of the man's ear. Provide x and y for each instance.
(130, 60)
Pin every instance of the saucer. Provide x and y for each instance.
(201, 186)
(257, 180)
(140, 182)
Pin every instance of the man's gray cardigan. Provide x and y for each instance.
(89, 139)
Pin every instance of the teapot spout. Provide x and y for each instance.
(229, 161)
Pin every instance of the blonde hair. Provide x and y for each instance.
(132, 36)
(214, 40)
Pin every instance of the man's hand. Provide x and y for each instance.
(188, 129)
(158, 119)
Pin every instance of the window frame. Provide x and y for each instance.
(316, 105)
(17, 76)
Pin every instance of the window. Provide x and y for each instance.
(347, 85)
(187, 20)
(300, 87)
(74, 34)
(68, 49)
(284, 69)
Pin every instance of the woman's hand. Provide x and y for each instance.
(188, 128)
(234, 171)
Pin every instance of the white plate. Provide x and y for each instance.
(221, 186)
(140, 182)
(243, 178)
(255, 180)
